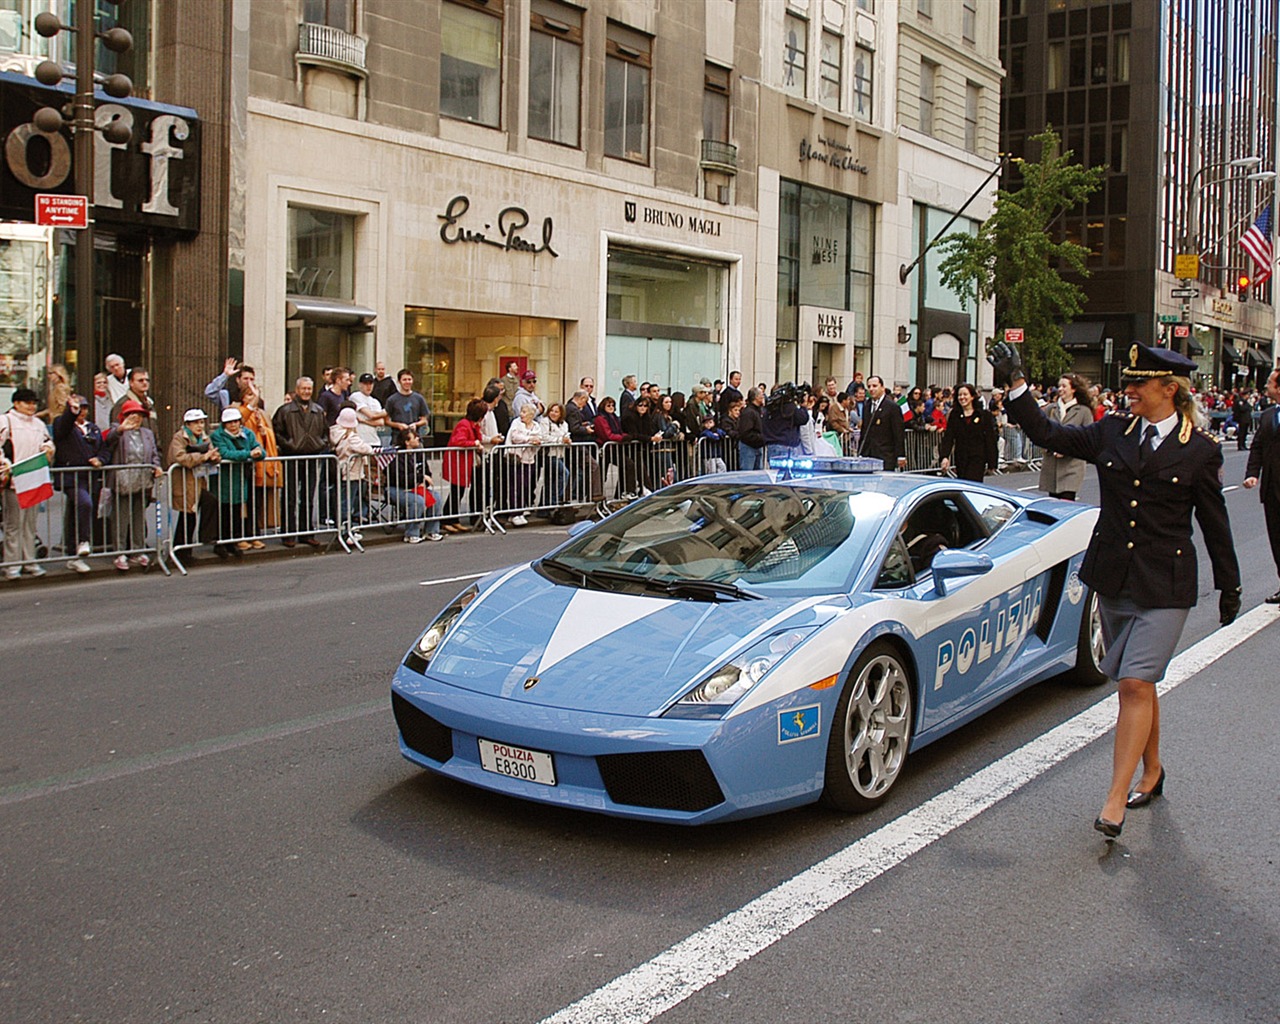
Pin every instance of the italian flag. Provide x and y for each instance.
(31, 481)
(902, 404)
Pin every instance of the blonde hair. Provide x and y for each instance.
(1185, 403)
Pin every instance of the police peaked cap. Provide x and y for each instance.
(1146, 362)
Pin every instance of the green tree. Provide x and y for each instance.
(1014, 258)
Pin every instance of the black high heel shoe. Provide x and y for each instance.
(1137, 798)
(1110, 829)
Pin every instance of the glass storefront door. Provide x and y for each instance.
(26, 298)
(666, 319)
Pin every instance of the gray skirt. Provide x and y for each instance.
(1140, 641)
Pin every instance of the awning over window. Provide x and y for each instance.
(331, 312)
(1194, 348)
(1256, 359)
(1229, 353)
(1085, 334)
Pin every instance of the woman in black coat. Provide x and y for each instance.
(970, 436)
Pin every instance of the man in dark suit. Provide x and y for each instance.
(882, 427)
(1264, 469)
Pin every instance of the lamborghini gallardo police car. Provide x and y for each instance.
(741, 643)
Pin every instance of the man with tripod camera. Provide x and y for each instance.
(784, 415)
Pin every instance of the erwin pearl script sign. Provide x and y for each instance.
(503, 233)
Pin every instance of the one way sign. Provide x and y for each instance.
(56, 211)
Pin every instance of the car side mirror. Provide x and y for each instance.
(580, 527)
(950, 565)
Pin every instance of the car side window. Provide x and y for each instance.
(994, 512)
(934, 525)
(896, 570)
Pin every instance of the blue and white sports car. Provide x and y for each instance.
(741, 643)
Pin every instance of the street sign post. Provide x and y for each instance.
(1169, 318)
(1014, 335)
(1186, 265)
(1182, 330)
(57, 211)
(1185, 293)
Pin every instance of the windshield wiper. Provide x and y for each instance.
(705, 589)
(600, 577)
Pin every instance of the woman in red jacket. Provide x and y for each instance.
(459, 462)
(609, 428)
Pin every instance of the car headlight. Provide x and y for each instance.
(724, 687)
(434, 635)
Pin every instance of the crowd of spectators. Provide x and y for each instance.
(250, 475)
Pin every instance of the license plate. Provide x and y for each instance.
(517, 762)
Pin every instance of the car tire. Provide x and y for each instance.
(1090, 645)
(870, 731)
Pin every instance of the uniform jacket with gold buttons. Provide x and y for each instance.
(1142, 542)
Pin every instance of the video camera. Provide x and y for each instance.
(788, 392)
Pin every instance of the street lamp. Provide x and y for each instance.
(1188, 241)
(79, 116)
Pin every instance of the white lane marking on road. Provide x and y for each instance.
(455, 579)
(188, 752)
(672, 976)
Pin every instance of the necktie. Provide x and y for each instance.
(1148, 443)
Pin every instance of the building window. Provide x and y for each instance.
(866, 5)
(863, 78)
(471, 61)
(972, 101)
(628, 61)
(322, 247)
(924, 8)
(555, 72)
(830, 70)
(928, 83)
(969, 21)
(715, 104)
(1057, 78)
(333, 13)
(1120, 59)
(794, 55)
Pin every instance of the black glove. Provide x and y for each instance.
(1005, 363)
(1229, 606)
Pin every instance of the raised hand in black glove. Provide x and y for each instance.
(1006, 364)
(1229, 606)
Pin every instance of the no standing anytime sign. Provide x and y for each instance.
(57, 211)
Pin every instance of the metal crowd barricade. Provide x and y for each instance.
(539, 480)
(95, 513)
(712, 455)
(922, 450)
(287, 498)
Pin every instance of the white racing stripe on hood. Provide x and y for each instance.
(592, 615)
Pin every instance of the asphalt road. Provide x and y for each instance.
(204, 817)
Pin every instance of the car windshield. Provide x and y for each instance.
(764, 539)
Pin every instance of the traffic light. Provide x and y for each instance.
(1242, 287)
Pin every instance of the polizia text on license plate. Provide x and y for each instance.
(517, 762)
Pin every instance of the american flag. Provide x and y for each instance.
(1257, 243)
(384, 456)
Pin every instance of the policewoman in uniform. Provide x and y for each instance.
(1155, 468)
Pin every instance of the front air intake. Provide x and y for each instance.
(421, 732)
(671, 780)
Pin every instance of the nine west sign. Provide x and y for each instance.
(151, 182)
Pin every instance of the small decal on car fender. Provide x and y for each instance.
(799, 723)
(1075, 589)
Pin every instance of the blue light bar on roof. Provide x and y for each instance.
(826, 464)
